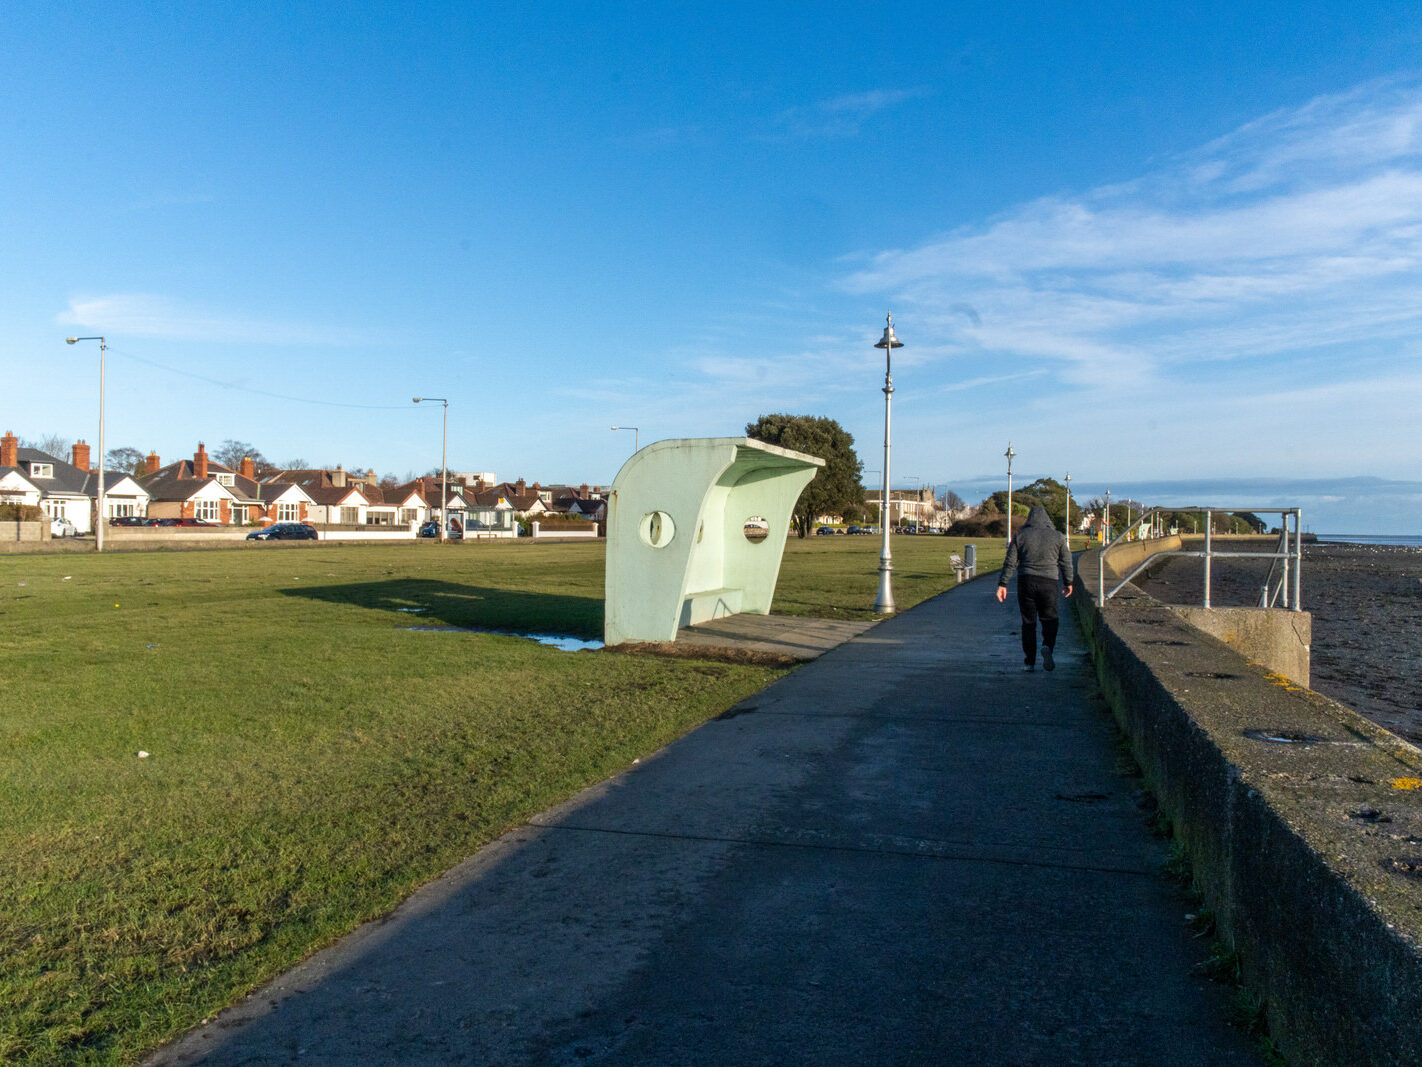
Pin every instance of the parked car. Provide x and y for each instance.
(132, 520)
(825, 531)
(185, 522)
(284, 531)
(61, 527)
(431, 529)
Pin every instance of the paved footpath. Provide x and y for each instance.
(906, 852)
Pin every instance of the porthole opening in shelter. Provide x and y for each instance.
(657, 529)
(756, 529)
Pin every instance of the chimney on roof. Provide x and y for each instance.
(521, 485)
(79, 455)
(151, 463)
(583, 491)
(338, 477)
(249, 469)
(9, 450)
(200, 463)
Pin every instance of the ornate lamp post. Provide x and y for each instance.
(1066, 525)
(1106, 527)
(100, 521)
(443, 463)
(1009, 454)
(884, 603)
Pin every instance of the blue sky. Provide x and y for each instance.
(1172, 252)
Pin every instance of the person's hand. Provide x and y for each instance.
(1066, 590)
(1002, 594)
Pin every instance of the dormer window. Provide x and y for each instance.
(228, 480)
(41, 470)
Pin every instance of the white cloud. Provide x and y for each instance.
(1298, 231)
(840, 116)
(151, 316)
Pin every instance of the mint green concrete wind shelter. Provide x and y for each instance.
(696, 530)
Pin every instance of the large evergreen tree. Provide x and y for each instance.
(836, 488)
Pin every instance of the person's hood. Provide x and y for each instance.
(1038, 516)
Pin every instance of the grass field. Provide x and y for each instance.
(311, 759)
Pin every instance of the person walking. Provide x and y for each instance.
(1040, 553)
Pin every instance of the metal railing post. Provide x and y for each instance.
(1101, 576)
(1284, 585)
(1209, 522)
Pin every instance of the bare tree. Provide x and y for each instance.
(52, 445)
(128, 460)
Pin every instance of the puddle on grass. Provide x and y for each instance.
(561, 642)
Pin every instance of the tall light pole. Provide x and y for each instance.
(99, 520)
(443, 463)
(884, 603)
(636, 437)
(1067, 524)
(1009, 454)
(1106, 528)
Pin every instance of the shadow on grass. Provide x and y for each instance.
(427, 602)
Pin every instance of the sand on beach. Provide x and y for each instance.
(1366, 602)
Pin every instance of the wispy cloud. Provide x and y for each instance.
(163, 318)
(839, 116)
(1297, 232)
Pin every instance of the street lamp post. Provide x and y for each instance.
(884, 603)
(443, 464)
(99, 519)
(636, 437)
(1106, 527)
(1066, 525)
(1009, 454)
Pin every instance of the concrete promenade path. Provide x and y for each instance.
(906, 852)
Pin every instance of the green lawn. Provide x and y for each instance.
(311, 758)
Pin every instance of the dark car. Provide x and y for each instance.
(284, 531)
(185, 522)
(825, 531)
(132, 520)
(431, 529)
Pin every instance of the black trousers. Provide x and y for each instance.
(1037, 599)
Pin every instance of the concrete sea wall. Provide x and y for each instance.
(1301, 819)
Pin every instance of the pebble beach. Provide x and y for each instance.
(1366, 602)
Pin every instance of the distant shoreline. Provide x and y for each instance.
(1401, 540)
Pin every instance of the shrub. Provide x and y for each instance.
(22, 513)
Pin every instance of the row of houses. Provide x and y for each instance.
(201, 488)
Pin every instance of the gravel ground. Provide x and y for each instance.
(1366, 602)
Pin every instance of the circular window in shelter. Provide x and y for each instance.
(756, 529)
(657, 529)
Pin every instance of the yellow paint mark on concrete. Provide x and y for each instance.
(1407, 783)
(1283, 682)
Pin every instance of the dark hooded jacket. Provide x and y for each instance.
(1039, 549)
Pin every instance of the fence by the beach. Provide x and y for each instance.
(1281, 585)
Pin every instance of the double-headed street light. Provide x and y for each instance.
(100, 521)
(884, 603)
(443, 463)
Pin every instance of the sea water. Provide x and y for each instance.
(1405, 540)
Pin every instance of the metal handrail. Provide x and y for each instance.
(1288, 557)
